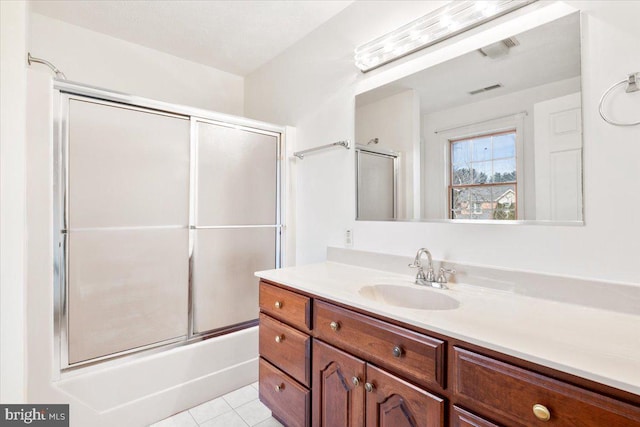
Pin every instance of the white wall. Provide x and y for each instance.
(13, 93)
(312, 86)
(99, 60)
(395, 121)
(434, 185)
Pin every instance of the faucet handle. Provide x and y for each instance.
(415, 265)
(442, 278)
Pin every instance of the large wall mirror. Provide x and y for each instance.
(492, 135)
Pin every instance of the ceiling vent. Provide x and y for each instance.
(485, 89)
(499, 49)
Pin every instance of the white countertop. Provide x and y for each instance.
(597, 344)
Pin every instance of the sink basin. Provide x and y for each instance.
(410, 297)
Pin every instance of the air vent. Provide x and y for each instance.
(511, 42)
(485, 89)
(499, 49)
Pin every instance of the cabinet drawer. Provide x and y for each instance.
(415, 356)
(286, 306)
(509, 393)
(286, 347)
(289, 401)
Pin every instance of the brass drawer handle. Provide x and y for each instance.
(541, 412)
(334, 326)
(397, 351)
(280, 387)
(355, 381)
(279, 338)
(369, 387)
(278, 304)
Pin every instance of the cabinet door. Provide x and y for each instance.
(462, 418)
(393, 402)
(338, 400)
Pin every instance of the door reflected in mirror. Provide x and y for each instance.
(492, 135)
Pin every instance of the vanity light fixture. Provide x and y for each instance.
(434, 27)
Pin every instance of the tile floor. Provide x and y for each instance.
(240, 408)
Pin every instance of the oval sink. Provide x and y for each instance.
(410, 297)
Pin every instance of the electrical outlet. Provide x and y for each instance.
(348, 238)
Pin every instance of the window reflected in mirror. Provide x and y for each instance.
(483, 177)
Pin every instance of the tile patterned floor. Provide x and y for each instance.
(240, 408)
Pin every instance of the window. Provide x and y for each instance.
(483, 177)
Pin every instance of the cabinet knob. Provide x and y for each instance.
(397, 351)
(541, 412)
(279, 338)
(369, 387)
(334, 326)
(279, 387)
(278, 304)
(355, 381)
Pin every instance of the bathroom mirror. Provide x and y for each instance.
(494, 135)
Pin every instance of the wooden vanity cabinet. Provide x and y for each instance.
(340, 367)
(285, 354)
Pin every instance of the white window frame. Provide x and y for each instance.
(514, 122)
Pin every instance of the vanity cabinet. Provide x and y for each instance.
(334, 365)
(285, 354)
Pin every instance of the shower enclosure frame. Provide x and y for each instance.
(63, 92)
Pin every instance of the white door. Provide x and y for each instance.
(558, 158)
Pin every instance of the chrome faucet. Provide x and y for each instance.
(429, 277)
(423, 278)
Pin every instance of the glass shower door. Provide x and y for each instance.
(160, 221)
(237, 223)
(125, 227)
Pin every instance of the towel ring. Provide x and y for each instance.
(632, 86)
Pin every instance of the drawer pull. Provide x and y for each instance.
(369, 387)
(541, 412)
(278, 304)
(279, 387)
(334, 326)
(355, 381)
(279, 338)
(397, 351)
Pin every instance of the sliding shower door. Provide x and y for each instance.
(125, 223)
(237, 222)
(161, 220)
